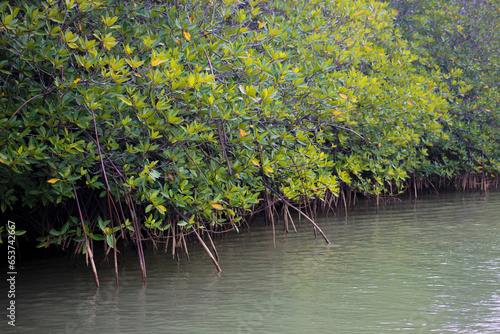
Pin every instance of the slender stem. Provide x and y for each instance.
(347, 129)
(222, 137)
(208, 250)
(201, 241)
(213, 246)
(34, 97)
(299, 211)
(194, 162)
(209, 63)
(108, 191)
(266, 195)
(138, 240)
(89, 251)
(100, 154)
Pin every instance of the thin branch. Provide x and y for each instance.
(89, 251)
(222, 138)
(208, 250)
(34, 97)
(357, 134)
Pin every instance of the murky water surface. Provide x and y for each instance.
(426, 266)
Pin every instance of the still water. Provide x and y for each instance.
(430, 266)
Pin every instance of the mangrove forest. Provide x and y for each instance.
(126, 123)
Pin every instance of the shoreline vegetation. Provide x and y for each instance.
(164, 122)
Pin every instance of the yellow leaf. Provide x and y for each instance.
(379, 144)
(238, 175)
(109, 41)
(53, 180)
(343, 96)
(1, 161)
(260, 24)
(76, 80)
(187, 35)
(336, 112)
(170, 177)
(162, 208)
(137, 75)
(216, 206)
(191, 80)
(155, 62)
(367, 48)
(269, 169)
(409, 103)
(255, 162)
(125, 100)
(243, 133)
(108, 230)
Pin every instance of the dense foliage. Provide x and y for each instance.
(180, 117)
(459, 40)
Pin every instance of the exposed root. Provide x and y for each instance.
(175, 239)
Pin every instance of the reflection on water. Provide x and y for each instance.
(426, 266)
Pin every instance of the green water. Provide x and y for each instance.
(430, 266)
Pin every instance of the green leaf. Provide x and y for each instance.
(65, 228)
(109, 240)
(97, 237)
